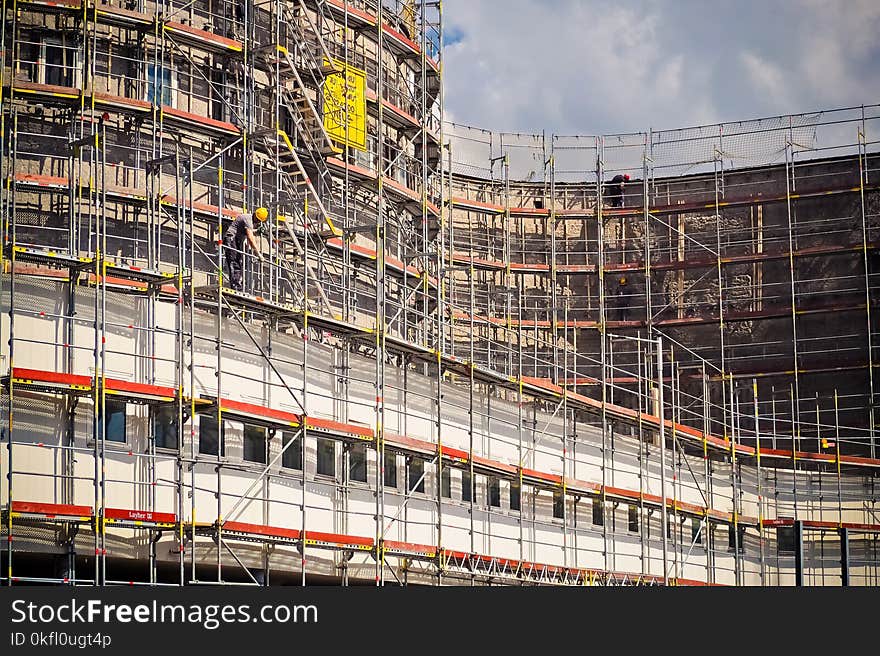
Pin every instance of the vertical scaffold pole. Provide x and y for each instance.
(600, 148)
(758, 478)
(707, 470)
(789, 177)
(734, 497)
(837, 459)
(9, 239)
(380, 312)
(644, 546)
(719, 176)
(649, 318)
(863, 174)
(663, 516)
(219, 374)
(98, 413)
(520, 419)
(101, 283)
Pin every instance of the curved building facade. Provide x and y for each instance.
(465, 359)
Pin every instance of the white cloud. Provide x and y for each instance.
(585, 67)
(766, 78)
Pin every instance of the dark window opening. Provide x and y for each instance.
(735, 538)
(696, 531)
(446, 482)
(114, 428)
(326, 457)
(292, 458)
(467, 486)
(160, 85)
(254, 445)
(390, 478)
(165, 427)
(357, 463)
(494, 491)
(212, 441)
(515, 495)
(416, 475)
(633, 519)
(218, 95)
(59, 62)
(598, 512)
(558, 504)
(785, 540)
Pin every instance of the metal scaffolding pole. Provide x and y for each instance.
(662, 431)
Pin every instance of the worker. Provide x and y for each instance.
(241, 228)
(614, 189)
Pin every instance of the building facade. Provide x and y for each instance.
(465, 360)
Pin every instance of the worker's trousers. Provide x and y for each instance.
(234, 264)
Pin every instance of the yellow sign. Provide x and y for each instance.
(345, 105)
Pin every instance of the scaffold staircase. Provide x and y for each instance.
(300, 73)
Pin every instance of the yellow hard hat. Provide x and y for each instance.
(261, 213)
(622, 280)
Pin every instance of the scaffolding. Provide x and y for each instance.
(438, 375)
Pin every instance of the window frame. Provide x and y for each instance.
(516, 486)
(60, 40)
(446, 482)
(292, 436)
(632, 519)
(221, 436)
(156, 413)
(734, 540)
(360, 449)
(558, 504)
(152, 65)
(106, 412)
(493, 491)
(696, 530)
(389, 473)
(413, 484)
(245, 439)
(467, 487)
(318, 456)
(598, 511)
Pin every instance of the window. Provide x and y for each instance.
(292, 458)
(446, 482)
(254, 444)
(357, 462)
(212, 442)
(467, 486)
(416, 475)
(326, 457)
(633, 519)
(165, 427)
(390, 478)
(558, 504)
(114, 426)
(598, 512)
(733, 538)
(785, 542)
(696, 531)
(494, 491)
(161, 85)
(218, 100)
(670, 522)
(59, 61)
(515, 495)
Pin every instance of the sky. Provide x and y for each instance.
(587, 67)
